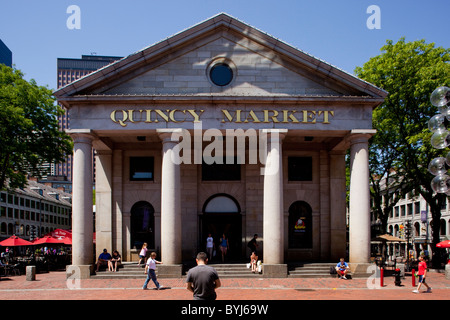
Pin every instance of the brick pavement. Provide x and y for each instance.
(54, 286)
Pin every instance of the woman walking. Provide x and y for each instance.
(224, 246)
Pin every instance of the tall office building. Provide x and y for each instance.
(5, 54)
(70, 70)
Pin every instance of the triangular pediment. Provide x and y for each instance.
(257, 72)
(181, 65)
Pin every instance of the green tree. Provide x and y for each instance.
(29, 134)
(409, 71)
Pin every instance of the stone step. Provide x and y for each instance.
(311, 270)
(130, 270)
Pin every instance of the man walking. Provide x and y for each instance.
(422, 273)
(203, 280)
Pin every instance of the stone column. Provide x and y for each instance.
(359, 215)
(273, 213)
(82, 215)
(338, 225)
(103, 204)
(170, 207)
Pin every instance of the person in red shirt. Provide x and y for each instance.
(422, 274)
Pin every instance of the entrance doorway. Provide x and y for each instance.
(142, 225)
(222, 215)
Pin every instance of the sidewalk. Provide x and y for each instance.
(54, 286)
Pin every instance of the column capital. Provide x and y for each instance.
(103, 152)
(274, 132)
(82, 135)
(167, 135)
(360, 135)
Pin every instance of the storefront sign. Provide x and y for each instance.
(124, 117)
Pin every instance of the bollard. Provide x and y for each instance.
(31, 273)
(381, 277)
(398, 281)
(413, 277)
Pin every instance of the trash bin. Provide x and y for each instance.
(31, 273)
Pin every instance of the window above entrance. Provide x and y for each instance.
(300, 168)
(221, 172)
(141, 168)
(221, 204)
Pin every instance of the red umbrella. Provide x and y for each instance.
(59, 233)
(443, 244)
(46, 240)
(15, 241)
(66, 240)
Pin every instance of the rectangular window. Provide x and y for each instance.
(221, 172)
(141, 168)
(300, 168)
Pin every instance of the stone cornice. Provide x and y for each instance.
(282, 99)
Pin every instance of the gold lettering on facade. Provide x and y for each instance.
(274, 117)
(195, 115)
(253, 116)
(122, 117)
(230, 118)
(291, 116)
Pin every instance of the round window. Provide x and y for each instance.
(221, 74)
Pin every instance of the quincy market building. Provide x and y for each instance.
(221, 129)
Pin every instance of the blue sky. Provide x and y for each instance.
(334, 31)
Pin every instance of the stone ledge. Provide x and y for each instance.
(275, 270)
(79, 272)
(170, 270)
(362, 270)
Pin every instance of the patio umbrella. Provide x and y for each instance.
(47, 240)
(443, 244)
(66, 240)
(60, 233)
(15, 241)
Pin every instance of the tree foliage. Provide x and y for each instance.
(401, 149)
(29, 136)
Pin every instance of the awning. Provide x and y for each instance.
(388, 238)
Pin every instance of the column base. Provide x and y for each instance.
(360, 270)
(170, 270)
(447, 271)
(79, 272)
(274, 270)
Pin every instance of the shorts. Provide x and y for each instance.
(142, 257)
(421, 278)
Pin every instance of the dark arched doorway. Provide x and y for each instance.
(300, 225)
(142, 225)
(222, 214)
